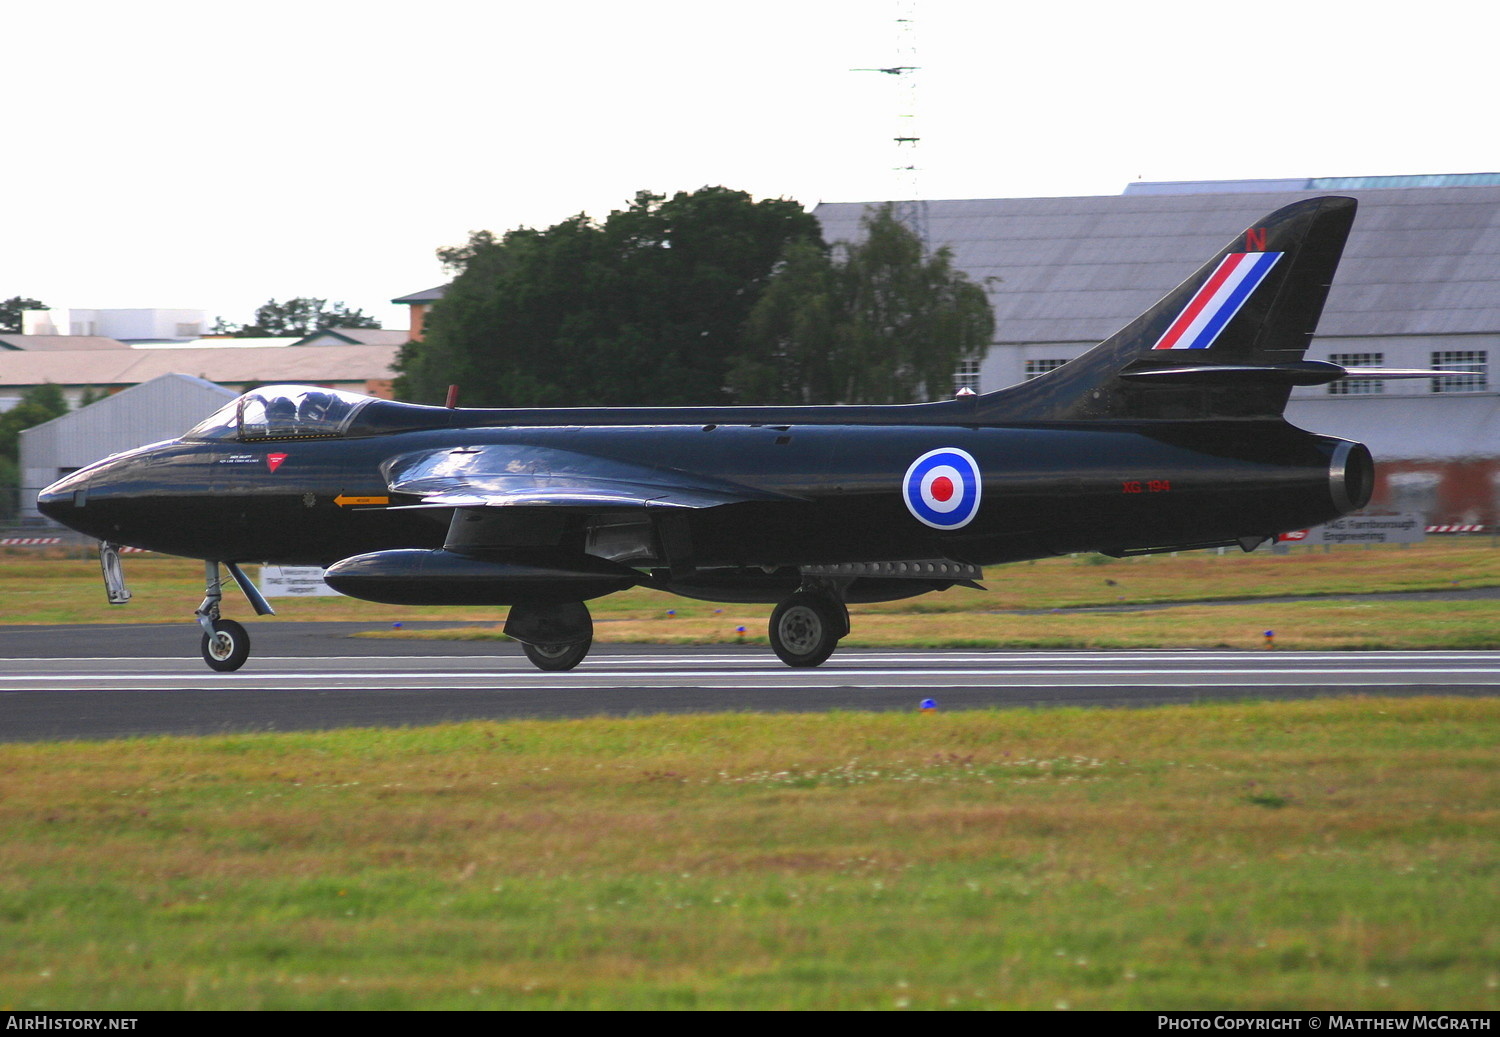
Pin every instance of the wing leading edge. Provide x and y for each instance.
(510, 475)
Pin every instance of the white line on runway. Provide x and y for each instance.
(675, 673)
(748, 670)
(718, 678)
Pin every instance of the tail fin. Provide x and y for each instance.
(1226, 343)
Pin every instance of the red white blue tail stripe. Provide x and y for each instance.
(1220, 298)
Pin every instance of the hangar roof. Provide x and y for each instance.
(56, 342)
(226, 366)
(356, 337)
(1420, 261)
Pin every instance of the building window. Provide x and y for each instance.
(1472, 362)
(1357, 386)
(1034, 368)
(967, 376)
(189, 330)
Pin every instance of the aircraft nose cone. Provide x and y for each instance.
(66, 501)
(57, 501)
(107, 500)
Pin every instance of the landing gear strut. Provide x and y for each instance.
(226, 644)
(807, 627)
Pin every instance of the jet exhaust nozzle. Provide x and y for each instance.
(1351, 476)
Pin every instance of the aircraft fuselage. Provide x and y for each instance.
(1045, 490)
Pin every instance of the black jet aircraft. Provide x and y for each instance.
(1168, 435)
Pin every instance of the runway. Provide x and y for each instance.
(109, 682)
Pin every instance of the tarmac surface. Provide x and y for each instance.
(111, 681)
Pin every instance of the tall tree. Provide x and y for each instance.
(38, 404)
(297, 316)
(11, 310)
(876, 321)
(644, 308)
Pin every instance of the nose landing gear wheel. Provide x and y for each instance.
(556, 657)
(227, 648)
(805, 629)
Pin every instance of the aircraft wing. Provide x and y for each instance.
(516, 475)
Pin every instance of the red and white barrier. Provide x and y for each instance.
(50, 541)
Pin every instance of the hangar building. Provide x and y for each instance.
(1419, 287)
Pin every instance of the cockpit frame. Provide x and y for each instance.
(282, 412)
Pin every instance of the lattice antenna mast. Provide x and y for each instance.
(910, 208)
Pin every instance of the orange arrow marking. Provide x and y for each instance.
(344, 502)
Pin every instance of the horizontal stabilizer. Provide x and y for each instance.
(1397, 372)
(1298, 372)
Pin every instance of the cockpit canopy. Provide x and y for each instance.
(283, 412)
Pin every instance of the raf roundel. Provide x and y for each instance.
(942, 488)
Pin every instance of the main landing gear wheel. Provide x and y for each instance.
(556, 657)
(227, 647)
(805, 629)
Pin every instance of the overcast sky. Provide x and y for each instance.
(204, 155)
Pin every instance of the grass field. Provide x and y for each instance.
(1017, 611)
(1330, 854)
